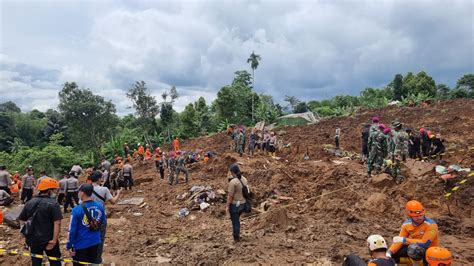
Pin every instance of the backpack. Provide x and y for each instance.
(27, 228)
(94, 224)
(247, 195)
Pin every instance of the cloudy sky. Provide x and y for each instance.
(310, 49)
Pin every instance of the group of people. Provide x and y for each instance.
(387, 147)
(88, 221)
(416, 244)
(265, 141)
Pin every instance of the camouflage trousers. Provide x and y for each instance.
(240, 149)
(375, 159)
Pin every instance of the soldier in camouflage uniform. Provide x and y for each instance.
(240, 142)
(377, 150)
(180, 167)
(172, 167)
(399, 150)
(375, 125)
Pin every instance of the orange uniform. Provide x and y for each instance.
(148, 154)
(176, 145)
(425, 235)
(206, 158)
(141, 150)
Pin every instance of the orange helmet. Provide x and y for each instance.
(436, 256)
(414, 208)
(48, 183)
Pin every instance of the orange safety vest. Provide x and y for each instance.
(141, 150)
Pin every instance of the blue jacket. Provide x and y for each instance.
(80, 236)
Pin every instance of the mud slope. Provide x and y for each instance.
(317, 210)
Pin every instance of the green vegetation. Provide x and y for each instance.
(85, 127)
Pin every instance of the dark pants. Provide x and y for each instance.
(26, 194)
(403, 253)
(337, 142)
(235, 213)
(353, 260)
(6, 189)
(414, 152)
(425, 149)
(160, 168)
(180, 169)
(6, 202)
(438, 150)
(61, 197)
(86, 255)
(100, 249)
(39, 249)
(252, 147)
(70, 196)
(128, 182)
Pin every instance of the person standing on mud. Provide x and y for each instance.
(337, 136)
(272, 144)
(252, 138)
(365, 141)
(172, 167)
(28, 184)
(400, 149)
(235, 199)
(126, 150)
(425, 143)
(438, 146)
(159, 163)
(413, 144)
(127, 173)
(180, 167)
(240, 142)
(72, 186)
(377, 150)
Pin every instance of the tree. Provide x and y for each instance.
(145, 106)
(190, 121)
(234, 102)
(7, 131)
(421, 83)
(459, 93)
(301, 107)
(398, 87)
(166, 114)
(90, 119)
(254, 61)
(55, 125)
(9, 107)
(466, 82)
(443, 91)
(292, 101)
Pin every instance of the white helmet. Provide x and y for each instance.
(376, 242)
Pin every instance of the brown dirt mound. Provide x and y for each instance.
(330, 205)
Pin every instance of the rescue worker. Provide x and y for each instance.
(16, 179)
(272, 144)
(400, 148)
(148, 154)
(127, 173)
(126, 150)
(377, 150)
(72, 186)
(438, 146)
(159, 163)
(365, 141)
(438, 256)
(62, 189)
(180, 167)
(337, 136)
(176, 144)
(266, 139)
(425, 143)
(141, 152)
(47, 223)
(418, 233)
(5, 198)
(5, 179)
(240, 142)
(252, 137)
(29, 183)
(414, 145)
(378, 254)
(375, 125)
(171, 167)
(77, 169)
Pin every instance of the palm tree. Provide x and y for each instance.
(254, 61)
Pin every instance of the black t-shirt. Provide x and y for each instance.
(48, 211)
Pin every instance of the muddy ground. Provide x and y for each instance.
(307, 211)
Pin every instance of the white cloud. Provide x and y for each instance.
(310, 49)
